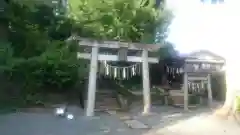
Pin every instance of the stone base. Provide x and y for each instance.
(177, 97)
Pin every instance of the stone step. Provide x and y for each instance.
(106, 107)
(107, 103)
(106, 100)
(104, 96)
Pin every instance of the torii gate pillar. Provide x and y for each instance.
(146, 83)
(92, 82)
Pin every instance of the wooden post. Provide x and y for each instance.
(209, 87)
(92, 82)
(185, 91)
(146, 83)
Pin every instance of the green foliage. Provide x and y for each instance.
(37, 59)
(56, 69)
(38, 53)
(167, 51)
(119, 19)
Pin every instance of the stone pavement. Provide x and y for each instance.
(46, 124)
(49, 124)
(174, 121)
(165, 120)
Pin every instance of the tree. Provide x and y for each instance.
(122, 20)
(39, 57)
(167, 51)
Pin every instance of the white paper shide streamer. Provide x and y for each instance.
(124, 73)
(121, 73)
(173, 71)
(115, 72)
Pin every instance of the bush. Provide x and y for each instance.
(37, 60)
(55, 70)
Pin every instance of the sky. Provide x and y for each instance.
(205, 26)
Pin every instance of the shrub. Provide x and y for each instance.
(55, 70)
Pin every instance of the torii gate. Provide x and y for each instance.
(199, 66)
(95, 56)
